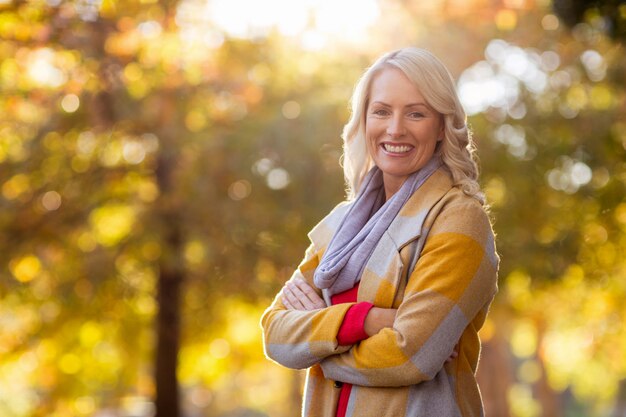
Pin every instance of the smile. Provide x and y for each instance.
(396, 148)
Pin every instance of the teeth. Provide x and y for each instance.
(397, 148)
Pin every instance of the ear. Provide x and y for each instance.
(442, 131)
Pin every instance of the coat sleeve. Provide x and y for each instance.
(299, 339)
(454, 279)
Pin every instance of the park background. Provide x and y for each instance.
(162, 161)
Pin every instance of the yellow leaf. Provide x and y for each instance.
(25, 269)
(112, 223)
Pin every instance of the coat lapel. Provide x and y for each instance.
(408, 224)
(386, 267)
(323, 232)
(383, 271)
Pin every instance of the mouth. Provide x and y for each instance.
(396, 149)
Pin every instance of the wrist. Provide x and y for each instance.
(372, 325)
(377, 319)
(352, 329)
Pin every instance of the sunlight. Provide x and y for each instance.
(316, 22)
(42, 70)
(498, 81)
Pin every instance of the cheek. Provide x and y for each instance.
(370, 135)
(370, 145)
(429, 136)
(373, 130)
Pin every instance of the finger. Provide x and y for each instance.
(287, 304)
(316, 300)
(285, 300)
(293, 300)
(307, 295)
(301, 296)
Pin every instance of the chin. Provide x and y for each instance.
(396, 172)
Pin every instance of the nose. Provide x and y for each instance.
(395, 128)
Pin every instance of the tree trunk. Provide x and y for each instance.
(620, 402)
(551, 402)
(171, 269)
(168, 336)
(495, 376)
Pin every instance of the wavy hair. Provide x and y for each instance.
(436, 85)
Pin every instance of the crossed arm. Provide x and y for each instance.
(451, 284)
(298, 295)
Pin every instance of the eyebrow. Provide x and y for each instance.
(418, 104)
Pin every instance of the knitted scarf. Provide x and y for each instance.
(363, 226)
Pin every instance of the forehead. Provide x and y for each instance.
(392, 84)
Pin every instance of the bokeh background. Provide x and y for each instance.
(162, 161)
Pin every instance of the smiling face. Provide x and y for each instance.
(401, 130)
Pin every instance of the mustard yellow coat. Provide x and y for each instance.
(442, 302)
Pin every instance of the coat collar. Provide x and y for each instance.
(406, 227)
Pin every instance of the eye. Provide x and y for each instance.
(416, 115)
(380, 112)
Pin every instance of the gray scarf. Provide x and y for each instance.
(362, 227)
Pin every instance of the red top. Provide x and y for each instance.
(350, 332)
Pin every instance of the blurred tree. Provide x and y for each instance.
(607, 14)
(547, 107)
(133, 169)
(158, 177)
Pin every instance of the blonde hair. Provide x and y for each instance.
(436, 85)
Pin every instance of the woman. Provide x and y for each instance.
(385, 308)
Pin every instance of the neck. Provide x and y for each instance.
(392, 184)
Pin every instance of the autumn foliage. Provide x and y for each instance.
(162, 162)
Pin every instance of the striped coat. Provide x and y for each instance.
(442, 302)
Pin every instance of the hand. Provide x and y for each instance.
(378, 318)
(297, 294)
(453, 355)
